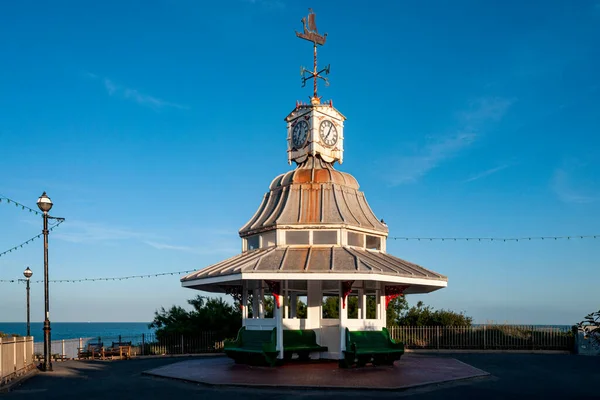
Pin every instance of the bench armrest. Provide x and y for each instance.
(393, 344)
(228, 343)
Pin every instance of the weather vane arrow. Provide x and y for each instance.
(311, 34)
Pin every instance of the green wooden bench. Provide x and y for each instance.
(301, 342)
(375, 347)
(253, 347)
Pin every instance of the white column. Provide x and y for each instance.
(278, 311)
(383, 321)
(286, 312)
(378, 306)
(343, 318)
(362, 305)
(314, 298)
(244, 302)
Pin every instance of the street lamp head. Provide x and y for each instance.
(27, 273)
(44, 203)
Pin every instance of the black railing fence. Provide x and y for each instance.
(481, 337)
(485, 337)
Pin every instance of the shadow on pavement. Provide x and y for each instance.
(513, 376)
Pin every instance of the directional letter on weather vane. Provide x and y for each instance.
(312, 35)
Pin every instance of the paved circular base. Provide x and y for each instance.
(410, 371)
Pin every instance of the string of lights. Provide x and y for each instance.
(6, 200)
(20, 246)
(117, 278)
(496, 239)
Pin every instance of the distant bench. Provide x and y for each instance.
(91, 350)
(375, 347)
(118, 349)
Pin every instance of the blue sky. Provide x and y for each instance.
(156, 127)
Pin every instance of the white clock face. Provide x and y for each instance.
(328, 133)
(299, 134)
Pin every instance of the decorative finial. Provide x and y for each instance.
(311, 34)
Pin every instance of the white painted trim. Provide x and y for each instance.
(216, 279)
(335, 276)
(318, 276)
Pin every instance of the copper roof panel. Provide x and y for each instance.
(320, 260)
(296, 259)
(272, 262)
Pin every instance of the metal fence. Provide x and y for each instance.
(485, 337)
(488, 337)
(16, 357)
(142, 344)
(61, 349)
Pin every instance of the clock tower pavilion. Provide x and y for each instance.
(314, 240)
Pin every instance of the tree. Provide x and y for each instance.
(301, 309)
(590, 327)
(421, 315)
(208, 314)
(396, 310)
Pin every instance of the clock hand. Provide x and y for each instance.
(328, 132)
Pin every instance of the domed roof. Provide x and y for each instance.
(314, 193)
(314, 170)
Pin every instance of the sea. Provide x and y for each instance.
(74, 330)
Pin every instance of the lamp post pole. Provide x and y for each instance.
(47, 343)
(27, 273)
(45, 204)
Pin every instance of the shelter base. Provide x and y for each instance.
(411, 371)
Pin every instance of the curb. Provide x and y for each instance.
(266, 386)
(19, 380)
(476, 351)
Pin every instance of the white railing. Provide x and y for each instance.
(484, 337)
(60, 349)
(16, 357)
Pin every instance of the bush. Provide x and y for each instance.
(208, 314)
(421, 315)
(8, 335)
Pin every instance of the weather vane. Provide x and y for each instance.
(312, 35)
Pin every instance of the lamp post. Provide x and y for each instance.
(27, 273)
(45, 204)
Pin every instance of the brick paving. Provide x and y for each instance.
(410, 371)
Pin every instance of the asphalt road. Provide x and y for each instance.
(514, 376)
